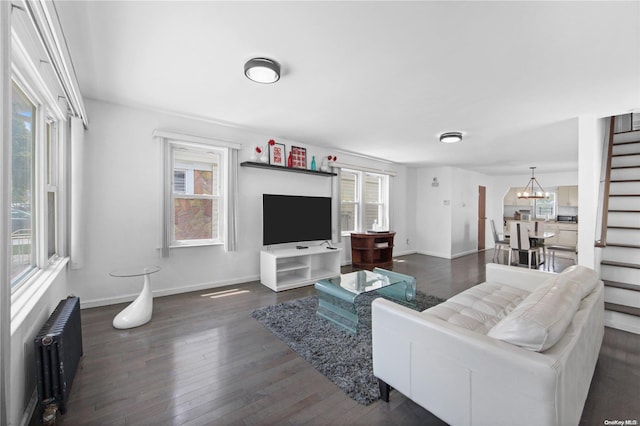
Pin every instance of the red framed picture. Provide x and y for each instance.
(277, 155)
(298, 157)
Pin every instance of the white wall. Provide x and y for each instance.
(411, 210)
(447, 213)
(464, 200)
(123, 204)
(433, 211)
(591, 138)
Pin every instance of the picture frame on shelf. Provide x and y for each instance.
(298, 157)
(277, 155)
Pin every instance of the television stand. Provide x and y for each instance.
(283, 269)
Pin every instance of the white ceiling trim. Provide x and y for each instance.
(195, 139)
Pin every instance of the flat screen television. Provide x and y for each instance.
(292, 218)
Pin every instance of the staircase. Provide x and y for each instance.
(620, 264)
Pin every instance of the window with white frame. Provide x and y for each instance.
(375, 200)
(363, 201)
(545, 208)
(197, 194)
(51, 139)
(349, 200)
(35, 173)
(23, 188)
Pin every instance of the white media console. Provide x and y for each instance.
(282, 269)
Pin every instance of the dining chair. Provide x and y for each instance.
(567, 249)
(519, 241)
(498, 243)
(537, 227)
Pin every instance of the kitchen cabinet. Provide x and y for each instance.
(567, 236)
(568, 196)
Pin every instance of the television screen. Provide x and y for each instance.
(290, 218)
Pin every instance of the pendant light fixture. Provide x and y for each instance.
(533, 189)
(451, 137)
(262, 70)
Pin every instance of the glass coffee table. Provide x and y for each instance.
(336, 296)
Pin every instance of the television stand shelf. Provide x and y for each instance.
(283, 269)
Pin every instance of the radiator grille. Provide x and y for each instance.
(58, 348)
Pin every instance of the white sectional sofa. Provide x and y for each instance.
(518, 349)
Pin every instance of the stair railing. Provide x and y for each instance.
(602, 241)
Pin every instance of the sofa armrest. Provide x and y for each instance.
(525, 279)
(444, 368)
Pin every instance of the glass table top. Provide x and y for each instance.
(363, 281)
(134, 271)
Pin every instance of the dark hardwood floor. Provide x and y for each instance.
(202, 360)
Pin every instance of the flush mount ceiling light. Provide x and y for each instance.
(533, 190)
(262, 70)
(451, 137)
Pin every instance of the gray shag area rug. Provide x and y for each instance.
(342, 357)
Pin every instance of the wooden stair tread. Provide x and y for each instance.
(620, 264)
(625, 143)
(632, 246)
(624, 195)
(624, 286)
(624, 180)
(629, 310)
(623, 211)
(632, 228)
(626, 154)
(624, 167)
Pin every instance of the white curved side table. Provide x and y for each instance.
(140, 310)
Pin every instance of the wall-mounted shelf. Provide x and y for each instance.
(285, 169)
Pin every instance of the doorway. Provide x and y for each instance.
(482, 216)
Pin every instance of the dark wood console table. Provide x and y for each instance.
(372, 249)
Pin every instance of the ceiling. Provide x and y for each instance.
(377, 78)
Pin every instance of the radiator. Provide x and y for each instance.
(58, 348)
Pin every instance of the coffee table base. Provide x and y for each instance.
(337, 304)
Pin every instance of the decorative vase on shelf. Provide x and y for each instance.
(289, 161)
(313, 162)
(264, 158)
(324, 166)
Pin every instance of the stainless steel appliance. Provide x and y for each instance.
(567, 218)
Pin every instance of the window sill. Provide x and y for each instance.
(197, 244)
(29, 294)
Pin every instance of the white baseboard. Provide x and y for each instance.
(168, 292)
(464, 253)
(435, 254)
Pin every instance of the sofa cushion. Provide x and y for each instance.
(585, 277)
(479, 308)
(542, 318)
